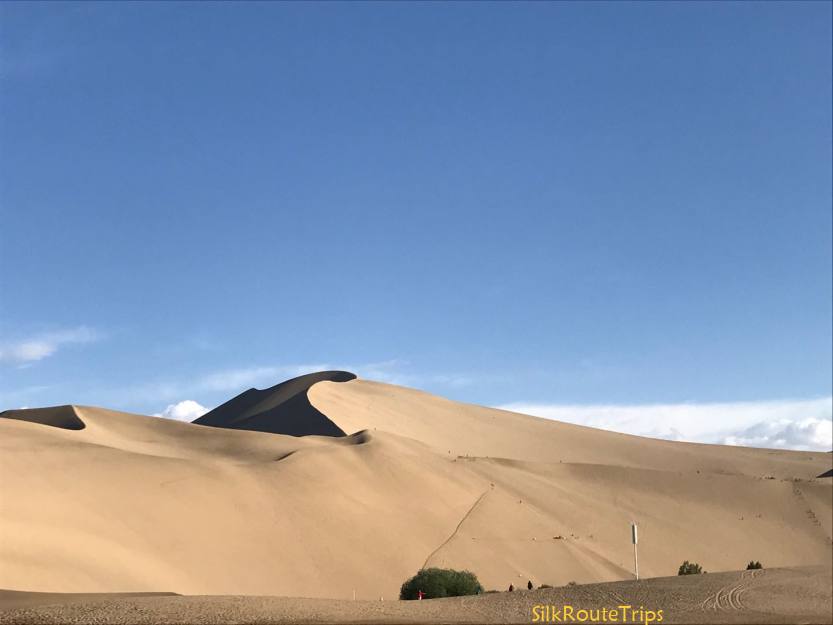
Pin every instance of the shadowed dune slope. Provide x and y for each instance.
(63, 417)
(132, 503)
(281, 409)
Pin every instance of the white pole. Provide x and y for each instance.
(635, 540)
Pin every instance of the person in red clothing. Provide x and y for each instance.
(420, 594)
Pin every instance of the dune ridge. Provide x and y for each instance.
(132, 503)
(64, 417)
(469, 430)
(281, 409)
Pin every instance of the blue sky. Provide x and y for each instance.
(614, 205)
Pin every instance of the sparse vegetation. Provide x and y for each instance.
(572, 584)
(544, 586)
(690, 568)
(436, 583)
(753, 565)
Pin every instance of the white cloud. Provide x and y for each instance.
(44, 345)
(789, 424)
(186, 410)
(810, 433)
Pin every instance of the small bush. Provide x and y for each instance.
(690, 568)
(572, 584)
(437, 583)
(544, 586)
(753, 565)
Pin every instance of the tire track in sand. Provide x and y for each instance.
(728, 597)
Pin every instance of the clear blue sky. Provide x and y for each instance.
(566, 203)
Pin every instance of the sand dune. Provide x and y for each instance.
(58, 416)
(132, 503)
(455, 428)
(281, 409)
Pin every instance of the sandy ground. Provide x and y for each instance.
(102, 501)
(768, 596)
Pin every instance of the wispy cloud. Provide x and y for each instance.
(397, 371)
(391, 371)
(786, 424)
(21, 397)
(240, 379)
(43, 345)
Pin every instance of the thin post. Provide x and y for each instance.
(636, 562)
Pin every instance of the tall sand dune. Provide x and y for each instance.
(281, 409)
(129, 503)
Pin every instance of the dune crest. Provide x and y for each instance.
(281, 409)
(64, 417)
(455, 428)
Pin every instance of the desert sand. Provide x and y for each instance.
(254, 500)
(799, 595)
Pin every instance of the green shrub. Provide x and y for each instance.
(690, 568)
(753, 565)
(437, 583)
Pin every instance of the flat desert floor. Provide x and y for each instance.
(799, 595)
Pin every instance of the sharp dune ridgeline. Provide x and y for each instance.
(329, 484)
(282, 409)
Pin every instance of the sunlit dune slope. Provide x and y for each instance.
(455, 428)
(132, 503)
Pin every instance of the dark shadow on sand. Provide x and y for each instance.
(281, 409)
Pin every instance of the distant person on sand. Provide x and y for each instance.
(511, 588)
(529, 585)
(420, 595)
